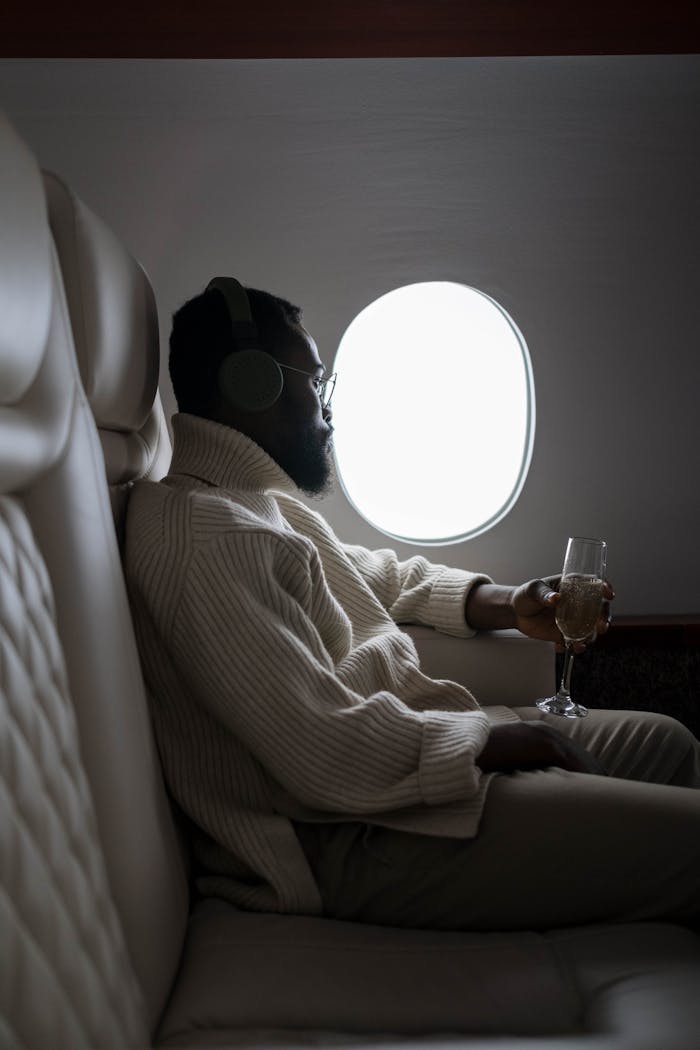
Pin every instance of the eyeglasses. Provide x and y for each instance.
(324, 385)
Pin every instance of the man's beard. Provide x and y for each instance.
(308, 462)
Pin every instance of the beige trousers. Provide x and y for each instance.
(554, 848)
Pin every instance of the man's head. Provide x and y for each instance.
(296, 429)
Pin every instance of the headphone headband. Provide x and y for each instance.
(235, 297)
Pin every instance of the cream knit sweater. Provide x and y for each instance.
(281, 686)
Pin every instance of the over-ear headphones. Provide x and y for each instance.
(249, 378)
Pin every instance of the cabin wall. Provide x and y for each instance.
(566, 188)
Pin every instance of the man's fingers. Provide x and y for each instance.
(543, 592)
(605, 619)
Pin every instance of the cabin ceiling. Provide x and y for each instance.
(347, 28)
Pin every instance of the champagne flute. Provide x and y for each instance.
(577, 613)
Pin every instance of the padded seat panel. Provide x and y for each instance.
(243, 972)
(67, 979)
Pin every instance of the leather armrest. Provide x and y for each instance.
(498, 667)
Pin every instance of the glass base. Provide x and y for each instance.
(562, 705)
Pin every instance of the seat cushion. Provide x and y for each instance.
(254, 973)
(245, 970)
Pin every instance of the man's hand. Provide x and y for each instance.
(534, 606)
(531, 608)
(533, 745)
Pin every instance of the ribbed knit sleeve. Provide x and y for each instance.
(262, 643)
(412, 591)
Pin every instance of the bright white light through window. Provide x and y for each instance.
(434, 412)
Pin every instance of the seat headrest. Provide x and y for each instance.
(25, 268)
(37, 392)
(112, 310)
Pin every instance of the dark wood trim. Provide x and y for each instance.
(347, 28)
(652, 631)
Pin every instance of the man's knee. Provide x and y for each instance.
(668, 748)
(687, 747)
(671, 730)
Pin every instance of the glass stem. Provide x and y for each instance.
(564, 689)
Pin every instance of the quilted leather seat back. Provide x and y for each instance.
(115, 331)
(69, 984)
(67, 979)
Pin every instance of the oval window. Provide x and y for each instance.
(434, 412)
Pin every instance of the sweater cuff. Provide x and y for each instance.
(448, 601)
(450, 743)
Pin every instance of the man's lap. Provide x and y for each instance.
(634, 745)
(553, 847)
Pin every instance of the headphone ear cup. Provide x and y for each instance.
(250, 380)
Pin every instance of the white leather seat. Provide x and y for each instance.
(66, 977)
(227, 978)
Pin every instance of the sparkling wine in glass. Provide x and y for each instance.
(577, 613)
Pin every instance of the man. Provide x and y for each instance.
(320, 771)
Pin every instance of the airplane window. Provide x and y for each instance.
(434, 412)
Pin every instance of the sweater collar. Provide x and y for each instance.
(222, 456)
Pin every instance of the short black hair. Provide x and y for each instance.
(201, 337)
